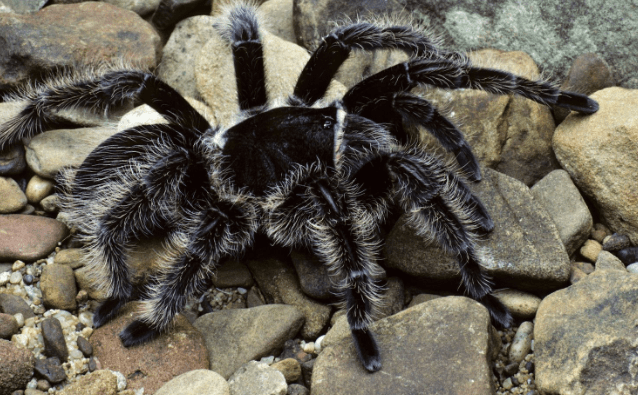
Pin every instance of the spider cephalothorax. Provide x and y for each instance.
(304, 173)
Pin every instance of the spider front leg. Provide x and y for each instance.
(224, 229)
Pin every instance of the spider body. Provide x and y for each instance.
(321, 175)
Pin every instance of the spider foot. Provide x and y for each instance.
(577, 102)
(501, 316)
(107, 311)
(138, 332)
(367, 349)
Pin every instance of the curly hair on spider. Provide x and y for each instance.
(305, 173)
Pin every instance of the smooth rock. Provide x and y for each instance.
(598, 152)
(12, 161)
(522, 342)
(608, 261)
(13, 199)
(38, 188)
(616, 242)
(72, 257)
(58, 287)
(313, 275)
(12, 304)
(521, 304)
(200, 381)
(16, 368)
(140, 7)
(628, 255)
(54, 342)
(585, 336)
(277, 15)
(24, 6)
(234, 337)
(590, 250)
(29, 237)
(50, 369)
(233, 273)
(443, 344)
(257, 378)
(559, 196)
(290, 368)
(151, 364)
(51, 203)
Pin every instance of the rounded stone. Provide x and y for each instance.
(38, 188)
(200, 381)
(522, 342)
(16, 368)
(29, 237)
(521, 304)
(58, 287)
(13, 199)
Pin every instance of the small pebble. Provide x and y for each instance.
(17, 265)
(121, 380)
(507, 383)
(50, 369)
(633, 268)
(616, 242)
(590, 250)
(16, 278)
(84, 346)
(43, 385)
(28, 279)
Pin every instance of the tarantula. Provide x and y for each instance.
(305, 173)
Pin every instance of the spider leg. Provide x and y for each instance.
(443, 73)
(224, 229)
(336, 47)
(243, 35)
(439, 205)
(98, 92)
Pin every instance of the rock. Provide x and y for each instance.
(54, 342)
(290, 368)
(607, 261)
(24, 6)
(298, 389)
(313, 275)
(71, 257)
(84, 346)
(589, 73)
(279, 284)
(257, 378)
(600, 232)
(51, 203)
(49, 152)
(28, 237)
(58, 287)
(559, 196)
(151, 364)
(521, 304)
(628, 255)
(38, 188)
(140, 115)
(234, 337)
(13, 199)
(16, 368)
(576, 275)
(12, 304)
(522, 342)
(201, 381)
(590, 250)
(50, 369)
(254, 298)
(598, 152)
(67, 35)
(586, 267)
(283, 64)
(12, 160)
(8, 326)
(422, 298)
(277, 15)
(524, 251)
(633, 268)
(443, 344)
(510, 134)
(100, 382)
(595, 320)
(84, 276)
(393, 298)
(233, 274)
(140, 7)
(616, 242)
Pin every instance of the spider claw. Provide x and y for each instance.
(107, 311)
(501, 316)
(577, 102)
(367, 349)
(138, 332)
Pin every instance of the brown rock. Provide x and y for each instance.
(154, 363)
(233, 274)
(16, 367)
(290, 368)
(28, 237)
(100, 382)
(38, 188)
(599, 153)
(72, 257)
(521, 304)
(66, 35)
(584, 336)
(442, 346)
(590, 250)
(12, 160)
(13, 199)
(58, 287)
(8, 326)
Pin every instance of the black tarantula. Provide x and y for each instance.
(310, 173)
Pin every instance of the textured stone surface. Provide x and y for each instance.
(63, 35)
(58, 287)
(12, 160)
(28, 237)
(200, 381)
(154, 363)
(16, 367)
(100, 382)
(257, 378)
(441, 347)
(234, 337)
(521, 304)
(599, 153)
(13, 199)
(524, 251)
(585, 336)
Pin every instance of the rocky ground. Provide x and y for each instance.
(560, 187)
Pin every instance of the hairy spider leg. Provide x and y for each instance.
(243, 35)
(220, 230)
(336, 47)
(437, 205)
(97, 92)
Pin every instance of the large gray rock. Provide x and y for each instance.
(200, 381)
(442, 346)
(585, 336)
(234, 337)
(553, 33)
(524, 251)
(599, 153)
(559, 196)
(68, 35)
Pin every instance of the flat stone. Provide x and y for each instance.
(443, 345)
(234, 337)
(585, 336)
(58, 287)
(608, 261)
(257, 378)
(50, 369)
(151, 364)
(29, 237)
(12, 304)
(16, 368)
(521, 304)
(13, 199)
(200, 381)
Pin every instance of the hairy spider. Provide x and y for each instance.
(320, 175)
